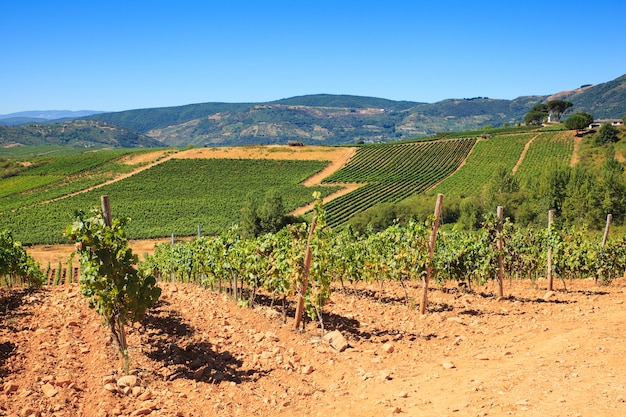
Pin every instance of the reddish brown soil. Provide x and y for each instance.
(198, 354)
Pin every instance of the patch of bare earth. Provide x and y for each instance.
(535, 353)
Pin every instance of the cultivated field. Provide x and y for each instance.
(534, 353)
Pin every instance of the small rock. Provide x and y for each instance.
(141, 412)
(29, 412)
(403, 394)
(388, 348)
(396, 410)
(482, 357)
(128, 381)
(10, 386)
(384, 374)
(63, 381)
(307, 370)
(271, 337)
(336, 340)
(110, 387)
(49, 390)
(109, 379)
(147, 394)
(136, 391)
(549, 295)
(448, 365)
(197, 375)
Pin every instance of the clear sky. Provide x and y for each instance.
(117, 55)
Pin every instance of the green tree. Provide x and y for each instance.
(115, 288)
(606, 134)
(557, 108)
(579, 122)
(537, 115)
(470, 213)
(582, 203)
(268, 217)
(249, 219)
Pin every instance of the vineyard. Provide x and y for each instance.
(175, 197)
(273, 262)
(549, 149)
(393, 172)
(483, 163)
(46, 178)
(221, 337)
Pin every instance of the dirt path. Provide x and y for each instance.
(575, 155)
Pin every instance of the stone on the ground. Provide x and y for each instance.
(336, 340)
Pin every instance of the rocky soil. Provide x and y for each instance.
(534, 353)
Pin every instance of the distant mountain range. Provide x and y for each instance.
(314, 119)
(42, 116)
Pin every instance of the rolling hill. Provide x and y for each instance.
(321, 119)
(343, 119)
(80, 133)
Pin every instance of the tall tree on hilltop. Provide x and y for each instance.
(537, 115)
(557, 108)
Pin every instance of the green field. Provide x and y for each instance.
(174, 197)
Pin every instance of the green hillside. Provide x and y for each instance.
(603, 101)
(343, 119)
(319, 119)
(526, 171)
(78, 133)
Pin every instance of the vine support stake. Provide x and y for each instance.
(305, 277)
(500, 213)
(549, 273)
(106, 210)
(431, 252)
(609, 218)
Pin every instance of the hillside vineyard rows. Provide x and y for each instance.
(175, 197)
(215, 190)
(394, 172)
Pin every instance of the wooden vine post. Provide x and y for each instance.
(609, 219)
(106, 210)
(549, 273)
(431, 251)
(305, 276)
(500, 213)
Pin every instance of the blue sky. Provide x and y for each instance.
(117, 55)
